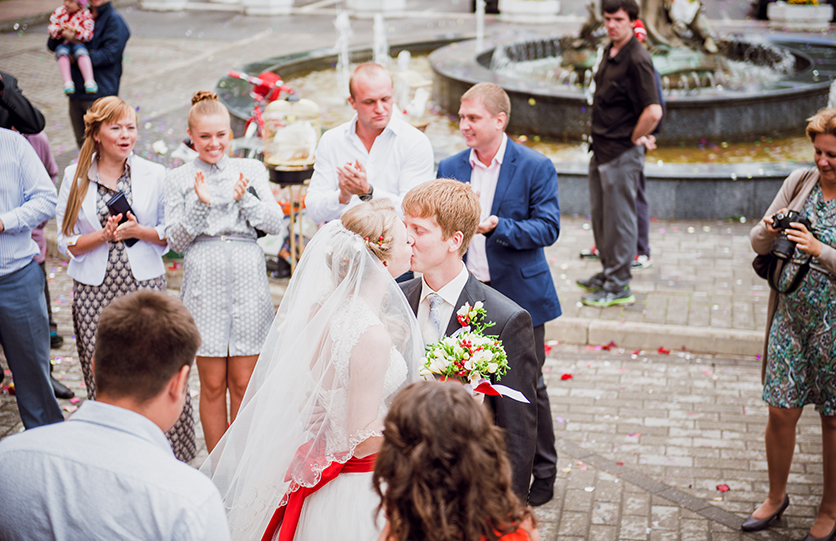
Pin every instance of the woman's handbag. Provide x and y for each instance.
(769, 267)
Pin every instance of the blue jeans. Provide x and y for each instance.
(71, 49)
(24, 337)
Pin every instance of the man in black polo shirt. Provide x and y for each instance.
(625, 111)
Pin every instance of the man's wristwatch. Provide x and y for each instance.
(367, 196)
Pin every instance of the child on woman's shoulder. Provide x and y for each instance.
(73, 23)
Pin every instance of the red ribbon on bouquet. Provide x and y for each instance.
(495, 389)
(287, 516)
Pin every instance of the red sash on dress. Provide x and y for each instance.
(287, 517)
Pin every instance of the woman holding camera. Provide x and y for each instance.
(799, 362)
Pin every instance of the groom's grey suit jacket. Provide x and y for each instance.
(513, 327)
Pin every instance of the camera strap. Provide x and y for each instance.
(776, 266)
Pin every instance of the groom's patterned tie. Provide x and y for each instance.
(434, 317)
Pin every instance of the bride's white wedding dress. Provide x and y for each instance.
(345, 507)
(343, 343)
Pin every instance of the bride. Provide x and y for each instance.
(297, 462)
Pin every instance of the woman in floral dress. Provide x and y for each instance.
(103, 266)
(799, 365)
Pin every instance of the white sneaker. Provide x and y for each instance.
(641, 262)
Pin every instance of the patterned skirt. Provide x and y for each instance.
(801, 354)
(88, 304)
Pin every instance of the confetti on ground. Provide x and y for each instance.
(75, 400)
(566, 470)
(619, 463)
(70, 409)
(559, 420)
(637, 352)
(589, 489)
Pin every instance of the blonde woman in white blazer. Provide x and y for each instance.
(101, 265)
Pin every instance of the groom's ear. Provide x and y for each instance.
(455, 242)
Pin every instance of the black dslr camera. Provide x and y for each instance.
(782, 247)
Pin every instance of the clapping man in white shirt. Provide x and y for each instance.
(374, 155)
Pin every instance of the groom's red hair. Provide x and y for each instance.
(453, 205)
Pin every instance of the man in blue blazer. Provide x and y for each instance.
(517, 189)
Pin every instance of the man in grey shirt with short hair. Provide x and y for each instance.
(109, 472)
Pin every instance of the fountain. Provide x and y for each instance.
(343, 26)
(381, 45)
(770, 85)
(706, 105)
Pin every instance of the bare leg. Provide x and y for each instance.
(826, 517)
(212, 373)
(780, 445)
(239, 370)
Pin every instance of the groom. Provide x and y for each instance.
(442, 217)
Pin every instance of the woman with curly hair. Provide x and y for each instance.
(442, 473)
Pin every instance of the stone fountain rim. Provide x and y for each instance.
(292, 65)
(474, 68)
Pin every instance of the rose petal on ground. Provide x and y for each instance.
(559, 420)
(723, 488)
(619, 463)
(664, 351)
(566, 376)
(589, 489)
(75, 400)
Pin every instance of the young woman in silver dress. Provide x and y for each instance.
(211, 218)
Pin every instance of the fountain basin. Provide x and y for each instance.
(674, 191)
(548, 110)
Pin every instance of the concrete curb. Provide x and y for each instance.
(650, 337)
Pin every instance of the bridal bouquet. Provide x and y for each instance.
(469, 356)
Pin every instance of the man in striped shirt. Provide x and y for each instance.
(27, 199)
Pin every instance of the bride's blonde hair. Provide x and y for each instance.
(375, 222)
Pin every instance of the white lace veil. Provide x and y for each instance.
(343, 341)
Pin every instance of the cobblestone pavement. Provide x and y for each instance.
(644, 440)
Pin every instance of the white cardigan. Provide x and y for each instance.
(148, 189)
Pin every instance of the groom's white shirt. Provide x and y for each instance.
(450, 293)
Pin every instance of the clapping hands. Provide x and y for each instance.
(352, 181)
(202, 189)
(128, 230)
(240, 187)
(109, 230)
